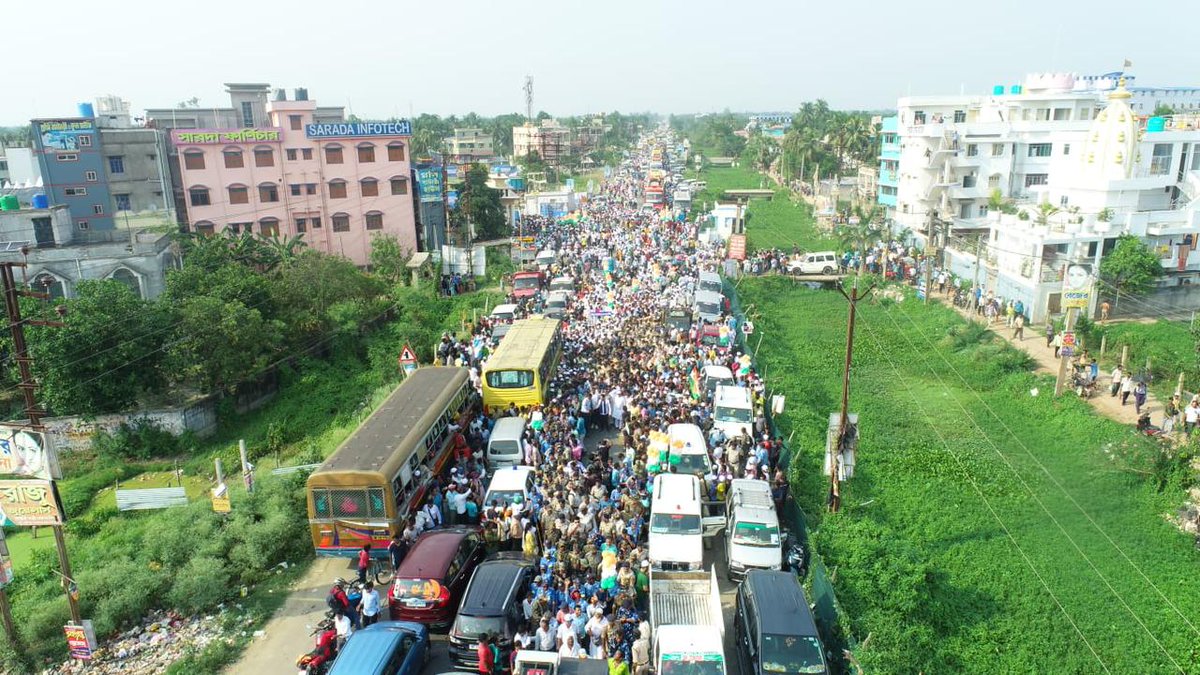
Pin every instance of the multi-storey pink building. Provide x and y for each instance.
(336, 184)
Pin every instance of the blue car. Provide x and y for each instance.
(385, 648)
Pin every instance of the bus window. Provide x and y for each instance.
(510, 379)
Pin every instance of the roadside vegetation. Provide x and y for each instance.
(1170, 347)
(988, 527)
(333, 360)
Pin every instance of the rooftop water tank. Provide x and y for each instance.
(9, 203)
(301, 94)
(1156, 124)
(86, 110)
(998, 90)
(1015, 89)
(41, 202)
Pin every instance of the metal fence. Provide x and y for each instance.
(832, 620)
(150, 498)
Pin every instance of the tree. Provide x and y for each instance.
(860, 236)
(1131, 268)
(479, 204)
(388, 258)
(1044, 212)
(1163, 110)
(501, 128)
(107, 354)
(220, 343)
(760, 152)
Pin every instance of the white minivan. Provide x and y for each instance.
(676, 524)
(733, 411)
(504, 313)
(751, 528)
(510, 486)
(716, 376)
(504, 443)
(688, 450)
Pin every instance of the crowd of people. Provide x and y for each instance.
(622, 377)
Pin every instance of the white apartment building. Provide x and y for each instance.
(1082, 149)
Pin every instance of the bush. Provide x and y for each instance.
(77, 493)
(119, 593)
(140, 439)
(203, 583)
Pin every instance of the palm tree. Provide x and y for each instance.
(801, 147)
(283, 249)
(1045, 210)
(860, 235)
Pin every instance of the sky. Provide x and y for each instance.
(385, 59)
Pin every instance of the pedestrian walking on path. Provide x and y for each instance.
(1139, 397)
(1019, 327)
(1049, 333)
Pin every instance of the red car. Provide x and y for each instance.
(430, 581)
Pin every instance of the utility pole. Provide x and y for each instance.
(835, 488)
(28, 387)
(975, 282)
(1060, 381)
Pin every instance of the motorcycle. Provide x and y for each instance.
(1084, 385)
(318, 661)
(795, 555)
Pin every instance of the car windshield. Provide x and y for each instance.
(708, 307)
(791, 654)
(675, 523)
(726, 414)
(473, 626)
(756, 534)
(690, 463)
(700, 664)
(504, 497)
(522, 283)
(510, 379)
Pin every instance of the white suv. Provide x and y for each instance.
(821, 262)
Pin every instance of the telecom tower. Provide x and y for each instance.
(529, 99)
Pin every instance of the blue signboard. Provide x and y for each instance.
(452, 199)
(451, 171)
(358, 129)
(429, 185)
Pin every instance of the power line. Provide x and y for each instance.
(978, 491)
(1021, 479)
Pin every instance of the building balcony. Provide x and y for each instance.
(958, 191)
(887, 200)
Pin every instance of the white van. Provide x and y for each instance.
(546, 258)
(676, 525)
(507, 485)
(733, 411)
(821, 262)
(708, 305)
(504, 313)
(716, 376)
(688, 449)
(751, 528)
(504, 444)
(710, 281)
(562, 284)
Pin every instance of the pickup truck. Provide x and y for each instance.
(686, 623)
(530, 662)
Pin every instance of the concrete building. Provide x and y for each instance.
(335, 184)
(550, 140)
(59, 255)
(73, 165)
(22, 166)
(468, 146)
(951, 152)
(247, 109)
(1116, 173)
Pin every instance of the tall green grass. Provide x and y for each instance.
(986, 530)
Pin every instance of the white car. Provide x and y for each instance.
(821, 262)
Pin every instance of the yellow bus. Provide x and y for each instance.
(521, 368)
(379, 475)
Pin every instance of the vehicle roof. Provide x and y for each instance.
(527, 273)
(504, 309)
(565, 295)
(409, 411)
(430, 556)
(509, 426)
(751, 491)
(718, 371)
(512, 478)
(370, 648)
(787, 612)
(524, 343)
(688, 433)
(677, 486)
(710, 275)
(732, 395)
(821, 253)
(492, 586)
(708, 296)
(565, 278)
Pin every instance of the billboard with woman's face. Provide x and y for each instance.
(1077, 286)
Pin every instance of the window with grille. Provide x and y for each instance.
(374, 220)
(341, 222)
(193, 160)
(239, 194)
(369, 187)
(399, 186)
(395, 152)
(333, 154)
(264, 157)
(234, 159)
(366, 154)
(337, 189)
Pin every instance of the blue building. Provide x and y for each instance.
(889, 162)
(73, 168)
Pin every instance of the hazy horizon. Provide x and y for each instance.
(669, 57)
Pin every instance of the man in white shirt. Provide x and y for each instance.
(368, 607)
(564, 631)
(343, 626)
(1191, 415)
(545, 637)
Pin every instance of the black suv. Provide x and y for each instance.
(492, 605)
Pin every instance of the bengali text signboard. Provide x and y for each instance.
(28, 503)
(213, 136)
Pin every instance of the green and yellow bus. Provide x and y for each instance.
(379, 475)
(521, 368)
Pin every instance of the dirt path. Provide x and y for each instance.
(1034, 344)
(287, 633)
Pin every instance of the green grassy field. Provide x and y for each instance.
(781, 222)
(1169, 345)
(987, 530)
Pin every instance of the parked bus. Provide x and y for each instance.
(379, 475)
(521, 368)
